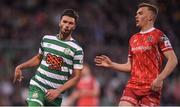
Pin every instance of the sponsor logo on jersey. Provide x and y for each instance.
(141, 48)
(54, 62)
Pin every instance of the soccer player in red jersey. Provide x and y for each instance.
(146, 51)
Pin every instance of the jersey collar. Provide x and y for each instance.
(147, 31)
(71, 39)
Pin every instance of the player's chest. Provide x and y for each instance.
(143, 43)
(59, 50)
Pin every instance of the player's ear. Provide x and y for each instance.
(59, 23)
(74, 27)
(151, 17)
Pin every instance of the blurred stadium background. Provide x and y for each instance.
(104, 28)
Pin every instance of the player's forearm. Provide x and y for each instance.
(31, 62)
(121, 67)
(170, 65)
(70, 83)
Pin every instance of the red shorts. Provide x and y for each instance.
(139, 97)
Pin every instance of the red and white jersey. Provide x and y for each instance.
(145, 53)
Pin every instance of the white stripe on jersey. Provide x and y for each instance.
(77, 66)
(78, 57)
(72, 44)
(32, 82)
(166, 48)
(49, 74)
(44, 81)
(56, 47)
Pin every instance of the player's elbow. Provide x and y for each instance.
(128, 67)
(76, 79)
(174, 60)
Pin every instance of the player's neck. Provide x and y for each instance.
(146, 28)
(64, 37)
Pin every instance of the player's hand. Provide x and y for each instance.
(52, 94)
(103, 61)
(18, 74)
(156, 85)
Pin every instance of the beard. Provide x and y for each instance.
(66, 33)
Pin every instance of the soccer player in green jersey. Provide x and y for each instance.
(59, 61)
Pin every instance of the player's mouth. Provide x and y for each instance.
(137, 22)
(66, 30)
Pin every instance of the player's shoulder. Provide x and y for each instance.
(76, 44)
(158, 31)
(49, 37)
(134, 35)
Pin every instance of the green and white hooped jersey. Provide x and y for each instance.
(59, 59)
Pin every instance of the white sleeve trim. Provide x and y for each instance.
(76, 66)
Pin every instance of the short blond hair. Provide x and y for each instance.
(151, 7)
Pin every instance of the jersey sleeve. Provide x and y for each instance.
(41, 51)
(164, 43)
(78, 59)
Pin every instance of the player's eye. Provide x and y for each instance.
(140, 13)
(64, 21)
(71, 23)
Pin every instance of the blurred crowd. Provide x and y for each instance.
(105, 27)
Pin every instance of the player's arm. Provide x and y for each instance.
(168, 52)
(75, 77)
(34, 61)
(105, 61)
(28, 64)
(170, 65)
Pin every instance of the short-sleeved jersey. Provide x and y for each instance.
(59, 59)
(146, 55)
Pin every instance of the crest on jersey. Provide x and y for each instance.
(150, 38)
(67, 51)
(35, 95)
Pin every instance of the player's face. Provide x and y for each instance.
(143, 15)
(67, 25)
